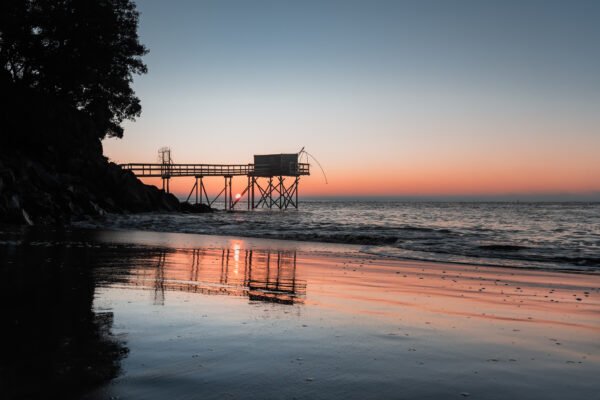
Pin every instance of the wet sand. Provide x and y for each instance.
(221, 317)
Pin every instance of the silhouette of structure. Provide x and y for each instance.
(272, 180)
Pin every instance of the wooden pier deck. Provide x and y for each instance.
(157, 170)
(267, 186)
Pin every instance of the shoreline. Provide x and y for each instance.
(329, 324)
(216, 316)
(168, 239)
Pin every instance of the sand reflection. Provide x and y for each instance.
(260, 275)
(366, 325)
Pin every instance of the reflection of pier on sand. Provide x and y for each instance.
(261, 275)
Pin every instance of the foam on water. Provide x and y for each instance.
(532, 235)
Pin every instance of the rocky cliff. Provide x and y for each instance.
(52, 169)
(34, 191)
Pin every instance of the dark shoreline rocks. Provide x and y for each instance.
(52, 167)
(35, 191)
(195, 208)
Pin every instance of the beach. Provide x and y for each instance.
(299, 200)
(199, 316)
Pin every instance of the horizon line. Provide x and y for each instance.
(514, 198)
(548, 197)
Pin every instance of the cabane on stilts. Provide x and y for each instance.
(272, 180)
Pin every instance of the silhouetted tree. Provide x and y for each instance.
(81, 53)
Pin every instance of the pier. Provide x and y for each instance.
(271, 181)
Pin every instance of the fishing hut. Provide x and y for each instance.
(271, 181)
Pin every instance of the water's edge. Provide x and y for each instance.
(553, 236)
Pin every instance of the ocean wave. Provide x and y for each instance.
(503, 247)
(587, 265)
(550, 236)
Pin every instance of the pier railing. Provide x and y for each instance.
(173, 170)
(275, 187)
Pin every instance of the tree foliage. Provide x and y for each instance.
(82, 53)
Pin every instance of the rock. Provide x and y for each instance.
(195, 208)
(14, 203)
(97, 209)
(26, 218)
(45, 178)
(170, 201)
(9, 177)
(53, 189)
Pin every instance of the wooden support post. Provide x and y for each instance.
(253, 183)
(200, 189)
(225, 195)
(197, 189)
(280, 192)
(230, 194)
(270, 192)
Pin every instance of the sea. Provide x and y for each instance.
(538, 235)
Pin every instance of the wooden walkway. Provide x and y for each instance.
(157, 170)
(264, 189)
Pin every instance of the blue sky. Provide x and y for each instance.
(414, 91)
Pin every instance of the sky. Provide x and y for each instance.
(394, 98)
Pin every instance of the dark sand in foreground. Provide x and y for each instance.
(213, 317)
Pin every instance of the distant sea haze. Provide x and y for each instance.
(554, 236)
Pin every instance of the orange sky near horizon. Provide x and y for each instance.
(393, 98)
(405, 165)
(433, 182)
